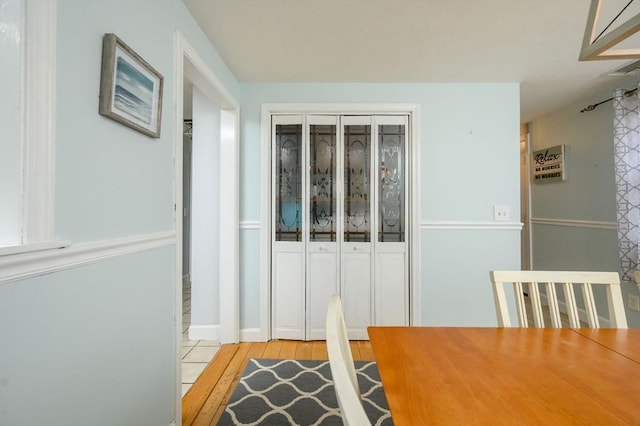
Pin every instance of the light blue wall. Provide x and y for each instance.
(588, 194)
(126, 185)
(469, 155)
(91, 345)
(456, 290)
(95, 344)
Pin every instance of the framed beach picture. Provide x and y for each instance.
(130, 88)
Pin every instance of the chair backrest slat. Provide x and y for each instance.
(522, 308)
(534, 294)
(615, 303)
(585, 280)
(590, 305)
(554, 308)
(343, 370)
(570, 305)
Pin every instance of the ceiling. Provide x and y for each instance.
(533, 42)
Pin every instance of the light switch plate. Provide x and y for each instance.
(501, 213)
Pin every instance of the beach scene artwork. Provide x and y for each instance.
(134, 92)
(130, 88)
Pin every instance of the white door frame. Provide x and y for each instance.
(413, 160)
(189, 64)
(526, 256)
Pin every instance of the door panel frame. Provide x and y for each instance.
(266, 194)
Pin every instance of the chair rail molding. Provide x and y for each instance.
(574, 223)
(250, 224)
(468, 225)
(20, 266)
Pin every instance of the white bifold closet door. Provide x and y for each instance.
(288, 287)
(356, 218)
(323, 264)
(339, 223)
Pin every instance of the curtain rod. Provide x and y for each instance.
(594, 106)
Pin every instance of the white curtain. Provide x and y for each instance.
(627, 163)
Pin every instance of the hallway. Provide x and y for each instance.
(196, 354)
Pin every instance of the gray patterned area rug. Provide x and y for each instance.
(299, 392)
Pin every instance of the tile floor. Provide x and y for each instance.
(196, 354)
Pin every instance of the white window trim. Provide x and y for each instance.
(38, 129)
(39, 121)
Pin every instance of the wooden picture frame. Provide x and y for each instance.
(130, 88)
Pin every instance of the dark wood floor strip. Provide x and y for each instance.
(225, 386)
(196, 396)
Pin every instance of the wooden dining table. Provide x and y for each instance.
(509, 376)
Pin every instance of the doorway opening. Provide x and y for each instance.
(209, 226)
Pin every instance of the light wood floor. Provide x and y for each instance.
(204, 402)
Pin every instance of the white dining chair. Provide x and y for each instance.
(531, 282)
(342, 368)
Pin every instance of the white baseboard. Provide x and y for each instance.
(212, 332)
(204, 332)
(251, 335)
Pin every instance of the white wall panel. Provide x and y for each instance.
(391, 289)
(322, 283)
(288, 295)
(356, 289)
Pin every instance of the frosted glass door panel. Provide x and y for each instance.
(391, 183)
(288, 178)
(322, 181)
(357, 183)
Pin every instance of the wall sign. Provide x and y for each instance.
(548, 165)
